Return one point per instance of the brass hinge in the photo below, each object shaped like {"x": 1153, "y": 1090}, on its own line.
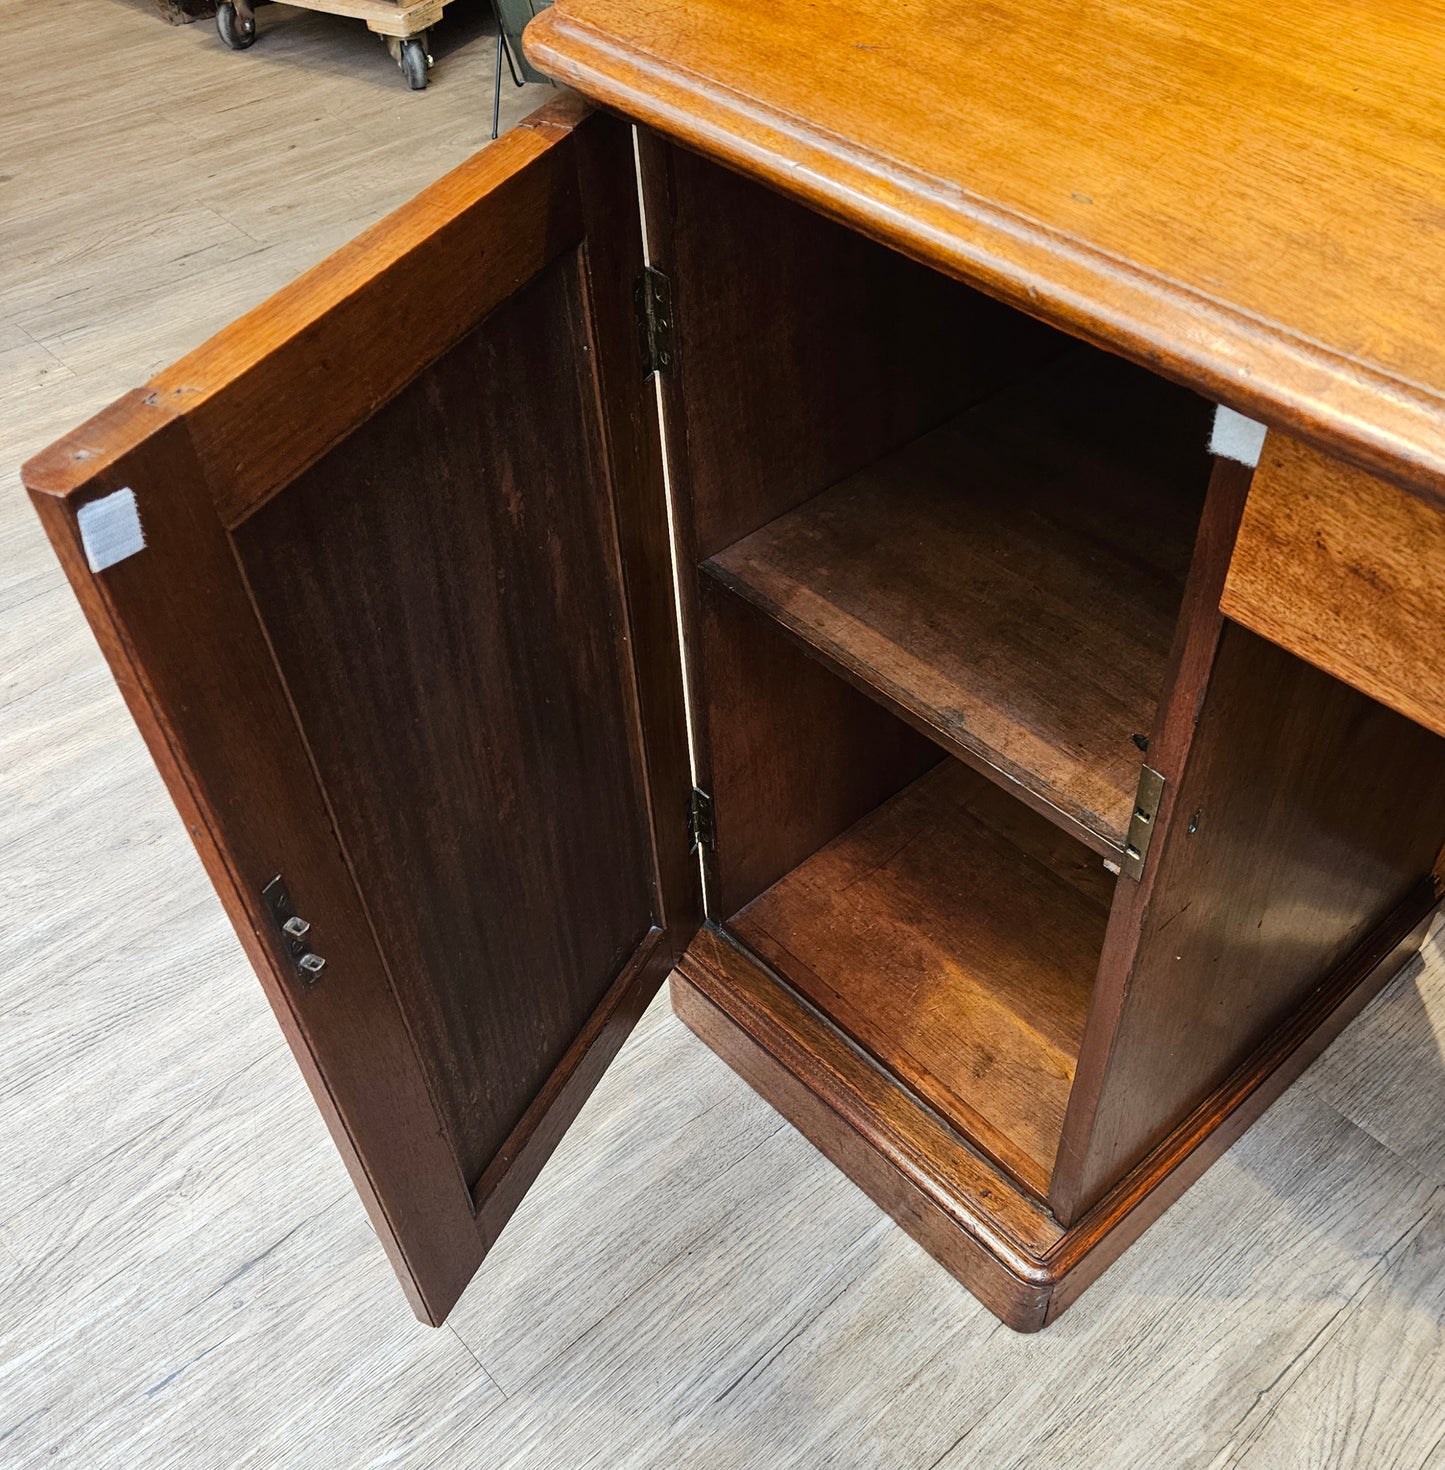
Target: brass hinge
{"x": 652, "y": 295}
{"x": 701, "y": 830}
{"x": 1141, "y": 824}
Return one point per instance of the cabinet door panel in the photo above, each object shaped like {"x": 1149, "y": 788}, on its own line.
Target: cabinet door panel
{"x": 409, "y": 647}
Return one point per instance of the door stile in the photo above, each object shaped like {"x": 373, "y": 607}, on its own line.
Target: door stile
{"x": 253, "y": 816}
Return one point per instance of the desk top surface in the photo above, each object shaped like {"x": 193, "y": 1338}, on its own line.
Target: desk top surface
{"x": 1248, "y": 196}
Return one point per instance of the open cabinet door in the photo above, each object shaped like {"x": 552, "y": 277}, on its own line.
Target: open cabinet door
{"x": 383, "y": 573}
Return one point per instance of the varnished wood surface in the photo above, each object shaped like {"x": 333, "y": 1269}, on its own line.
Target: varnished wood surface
{"x": 1007, "y": 1249}
{"x": 1305, "y": 814}
{"x": 968, "y": 1215}
{"x": 1011, "y": 581}
{"x": 175, "y": 1227}
{"x": 1245, "y": 195}
{"x": 520, "y": 782}
{"x": 365, "y": 679}
{"x": 320, "y": 344}
{"x": 237, "y": 768}
{"x": 1349, "y": 573}
{"x": 955, "y": 935}
{"x": 1191, "y": 660}
{"x": 791, "y": 753}
{"x": 804, "y": 351}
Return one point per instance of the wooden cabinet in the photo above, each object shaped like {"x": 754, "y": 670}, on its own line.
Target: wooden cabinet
{"x": 878, "y": 691}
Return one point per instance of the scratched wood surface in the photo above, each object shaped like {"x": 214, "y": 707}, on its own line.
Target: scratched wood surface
{"x": 186, "y": 1278}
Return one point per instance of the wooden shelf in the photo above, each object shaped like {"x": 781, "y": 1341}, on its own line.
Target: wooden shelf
{"x": 954, "y": 935}
{"x": 1009, "y": 583}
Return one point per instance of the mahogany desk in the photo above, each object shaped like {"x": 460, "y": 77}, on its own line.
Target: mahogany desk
{"x": 1048, "y": 792}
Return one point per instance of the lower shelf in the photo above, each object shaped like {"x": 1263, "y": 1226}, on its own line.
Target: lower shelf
{"x": 953, "y": 934}
{"x": 1002, "y": 1244}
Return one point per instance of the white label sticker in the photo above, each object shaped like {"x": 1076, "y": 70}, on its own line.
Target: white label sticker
{"x": 110, "y": 529}
{"x": 1236, "y": 437}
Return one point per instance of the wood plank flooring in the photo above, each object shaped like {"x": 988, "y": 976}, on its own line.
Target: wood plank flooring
{"x": 185, "y": 1277}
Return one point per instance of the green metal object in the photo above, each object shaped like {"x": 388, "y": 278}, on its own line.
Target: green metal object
{"x": 512, "y": 16}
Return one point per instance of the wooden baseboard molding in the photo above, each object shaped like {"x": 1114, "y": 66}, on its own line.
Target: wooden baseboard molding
{"x": 1005, "y": 1247}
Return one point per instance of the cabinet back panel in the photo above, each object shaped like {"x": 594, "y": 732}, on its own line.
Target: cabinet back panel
{"x": 406, "y": 583}
{"x": 794, "y": 754}
{"x": 806, "y": 350}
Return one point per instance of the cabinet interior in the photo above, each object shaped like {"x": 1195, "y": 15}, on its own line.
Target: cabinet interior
{"x": 954, "y": 935}
{"x": 1008, "y": 582}
{"x": 931, "y": 645}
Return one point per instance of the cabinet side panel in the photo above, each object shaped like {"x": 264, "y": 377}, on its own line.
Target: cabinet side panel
{"x": 1315, "y": 811}
{"x": 442, "y": 594}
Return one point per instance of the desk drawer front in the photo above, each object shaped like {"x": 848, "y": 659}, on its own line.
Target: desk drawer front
{"x": 1348, "y": 572}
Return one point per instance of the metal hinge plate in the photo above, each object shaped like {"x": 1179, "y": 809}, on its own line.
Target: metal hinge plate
{"x": 1141, "y": 824}
{"x": 293, "y": 931}
{"x": 701, "y": 830}
{"x": 652, "y": 295}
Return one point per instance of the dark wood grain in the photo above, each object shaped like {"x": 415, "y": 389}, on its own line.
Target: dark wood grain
{"x": 955, "y": 936}
{"x": 443, "y": 597}
{"x": 403, "y": 627}
{"x": 611, "y": 255}
{"x": 182, "y": 640}
{"x": 803, "y": 350}
{"x": 792, "y": 754}
{"x": 1010, "y": 582}
{"x": 1006, "y": 1248}
{"x": 963, "y": 1209}
{"x": 1186, "y": 684}
{"x": 1103, "y": 1234}
{"x": 390, "y": 650}
{"x": 1315, "y": 811}
{"x": 1242, "y": 196}
{"x": 1348, "y": 572}
{"x": 268, "y": 397}
{"x": 611, "y": 258}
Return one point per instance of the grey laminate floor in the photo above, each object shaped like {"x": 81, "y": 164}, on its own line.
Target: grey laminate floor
{"x": 185, "y": 1277}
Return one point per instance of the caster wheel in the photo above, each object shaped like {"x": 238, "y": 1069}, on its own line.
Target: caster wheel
{"x": 236, "y": 32}
{"x": 414, "y": 62}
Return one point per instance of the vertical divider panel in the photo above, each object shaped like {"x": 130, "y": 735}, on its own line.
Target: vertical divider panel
{"x": 1300, "y": 822}
{"x": 1196, "y": 641}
